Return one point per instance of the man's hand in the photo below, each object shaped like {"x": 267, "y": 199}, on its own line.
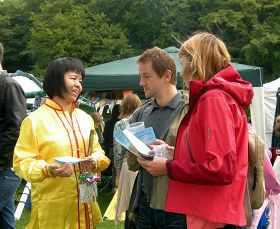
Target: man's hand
{"x": 156, "y": 167}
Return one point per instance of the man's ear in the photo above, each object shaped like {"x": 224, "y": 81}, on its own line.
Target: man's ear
{"x": 168, "y": 75}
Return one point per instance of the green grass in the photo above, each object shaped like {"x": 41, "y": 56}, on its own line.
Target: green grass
{"x": 104, "y": 199}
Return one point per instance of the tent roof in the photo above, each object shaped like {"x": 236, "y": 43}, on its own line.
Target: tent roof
{"x": 123, "y": 74}
{"x": 30, "y": 84}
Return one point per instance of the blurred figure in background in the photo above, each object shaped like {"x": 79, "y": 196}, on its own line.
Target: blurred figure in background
{"x": 12, "y": 112}
{"x": 108, "y": 142}
{"x": 98, "y": 125}
{"x": 125, "y": 178}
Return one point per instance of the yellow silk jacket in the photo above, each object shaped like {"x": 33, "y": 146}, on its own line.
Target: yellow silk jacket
{"x": 51, "y": 132}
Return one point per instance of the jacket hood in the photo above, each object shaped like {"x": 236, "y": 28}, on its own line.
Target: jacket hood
{"x": 230, "y": 81}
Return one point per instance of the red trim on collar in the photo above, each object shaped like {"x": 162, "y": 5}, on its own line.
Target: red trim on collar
{"x": 56, "y": 106}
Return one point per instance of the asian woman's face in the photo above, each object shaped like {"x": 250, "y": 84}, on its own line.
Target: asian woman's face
{"x": 73, "y": 86}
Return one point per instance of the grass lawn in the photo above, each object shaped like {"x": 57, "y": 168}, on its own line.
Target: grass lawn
{"x": 104, "y": 199}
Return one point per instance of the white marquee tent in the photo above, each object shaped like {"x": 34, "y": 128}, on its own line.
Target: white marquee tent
{"x": 270, "y": 90}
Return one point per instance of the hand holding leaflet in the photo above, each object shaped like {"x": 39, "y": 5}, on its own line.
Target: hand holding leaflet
{"x": 138, "y": 145}
{"x": 74, "y": 160}
{"x": 147, "y": 136}
{"x": 68, "y": 159}
{"x": 134, "y": 144}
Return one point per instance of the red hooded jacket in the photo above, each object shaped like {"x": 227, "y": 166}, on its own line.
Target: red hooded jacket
{"x": 209, "y": 170}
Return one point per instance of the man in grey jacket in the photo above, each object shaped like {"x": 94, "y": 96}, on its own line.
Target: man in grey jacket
{"x": 12, "y": 112}
{"x": 163, "y": 112}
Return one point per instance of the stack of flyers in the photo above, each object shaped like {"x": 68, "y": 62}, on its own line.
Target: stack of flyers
{"x": 137, "y": 143}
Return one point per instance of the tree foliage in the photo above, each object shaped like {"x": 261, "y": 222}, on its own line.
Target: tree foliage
{"x": 14, "y": 33}
{"x": 263, "y": 49}
{"x": 64, "y": 28}
{"x": 97, "y": 31}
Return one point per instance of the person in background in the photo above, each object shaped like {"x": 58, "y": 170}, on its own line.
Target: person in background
{"x": 58, "y": 128}
{"x": 163, "y": 112}
{"x": 98, "y": 125}
{"x": 125, "y": 178}
{"x": 108, "y": 141}
{"x": 12, "y": 112}
{"x": 208, "y": 174}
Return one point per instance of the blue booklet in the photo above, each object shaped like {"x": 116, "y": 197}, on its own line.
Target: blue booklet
{"x": 147, "y": 136}
{"x": 137, "y": 143}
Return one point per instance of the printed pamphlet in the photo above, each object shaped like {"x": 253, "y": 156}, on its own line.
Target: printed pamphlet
{"x": 68, "y": 159}
{"x": 137, "y": 143}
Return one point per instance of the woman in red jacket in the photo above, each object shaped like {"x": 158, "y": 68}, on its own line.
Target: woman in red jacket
{"x": 209, "y": 170}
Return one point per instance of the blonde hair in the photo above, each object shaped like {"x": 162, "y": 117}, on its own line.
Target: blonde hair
{"x": 202, "y": 56}
{"x": 129, "y": 104}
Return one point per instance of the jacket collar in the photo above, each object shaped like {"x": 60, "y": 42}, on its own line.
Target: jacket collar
{"x": 173, "y": 103}
{"x": 56, "y": 106}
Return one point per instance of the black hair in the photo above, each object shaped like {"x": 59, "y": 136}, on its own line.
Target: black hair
{"x": 54, "y": 80}
{"x": 116, "y": 111}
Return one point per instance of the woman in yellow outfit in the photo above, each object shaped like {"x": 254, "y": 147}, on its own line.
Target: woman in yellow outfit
{"x": 59, "y": 128}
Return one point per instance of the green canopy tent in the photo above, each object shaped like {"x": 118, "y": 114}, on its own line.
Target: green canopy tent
{"x": 123, "y": 74}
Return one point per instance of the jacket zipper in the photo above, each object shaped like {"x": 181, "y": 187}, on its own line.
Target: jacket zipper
{"x": 189, "y": 147}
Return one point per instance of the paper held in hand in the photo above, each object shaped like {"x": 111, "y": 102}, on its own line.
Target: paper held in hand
{"x": 137, "y": 143}
{"x": 68, "y": 159}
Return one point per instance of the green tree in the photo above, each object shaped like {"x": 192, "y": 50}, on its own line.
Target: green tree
{"x": 97, "y": 31}
{"x": 232, "y": 20}
{"x": 149, "y": 23}
{"x": 14, "y": 30}
{"x": 264, "y": 47}
{"x": 156, "y": 22}
{"x": 65, "y": 28}
{"x": 177, "y": 23}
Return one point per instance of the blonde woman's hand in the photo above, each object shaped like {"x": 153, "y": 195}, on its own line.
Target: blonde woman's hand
{"x": 169, "y": 149}
{"x": 159, "y": 142}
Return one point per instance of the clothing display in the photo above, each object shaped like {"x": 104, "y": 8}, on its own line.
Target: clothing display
{"x": 125, "y": 185}
{"x": 47, "y": 133}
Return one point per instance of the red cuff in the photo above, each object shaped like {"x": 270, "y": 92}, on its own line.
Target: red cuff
{"x": 168, "y": 167}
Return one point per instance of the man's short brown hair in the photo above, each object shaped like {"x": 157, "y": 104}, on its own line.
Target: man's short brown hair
{"x": 161, "y": 61}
